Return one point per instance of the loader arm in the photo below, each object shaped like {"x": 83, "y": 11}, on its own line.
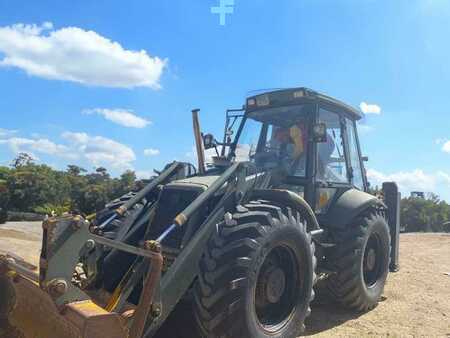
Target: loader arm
{"x": 50, "y": 304}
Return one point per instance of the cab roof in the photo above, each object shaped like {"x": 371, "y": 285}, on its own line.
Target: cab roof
{"x": 298, "y": 96}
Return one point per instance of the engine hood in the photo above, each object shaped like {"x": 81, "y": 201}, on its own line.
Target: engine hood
{"x": 195, "y": 182}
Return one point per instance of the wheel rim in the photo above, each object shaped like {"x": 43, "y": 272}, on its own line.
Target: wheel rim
{"x": 277, "y": 289}
{"x": 372, "y": 264}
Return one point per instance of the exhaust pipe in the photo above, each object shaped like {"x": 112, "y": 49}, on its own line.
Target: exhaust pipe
{"x": 198, "y": 141}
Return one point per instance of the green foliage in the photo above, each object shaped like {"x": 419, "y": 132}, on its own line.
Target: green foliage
{"x": 23, "y": 159}
{"x": 4, "y": 193}
{"x": 51, "y": 209}
{"x": 30, "y": 187}
{"x": 425, "y": 214}
{"x": 27, "y": 186}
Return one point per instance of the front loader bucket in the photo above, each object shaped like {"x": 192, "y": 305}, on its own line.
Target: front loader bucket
{"x": 28, "y": 311}
{"x": 47, "y": 304}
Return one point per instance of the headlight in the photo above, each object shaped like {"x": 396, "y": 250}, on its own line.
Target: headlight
{"x": 262, "y": 100}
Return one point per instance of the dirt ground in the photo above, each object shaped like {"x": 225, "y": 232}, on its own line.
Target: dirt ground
{"x": 416, "y": 300}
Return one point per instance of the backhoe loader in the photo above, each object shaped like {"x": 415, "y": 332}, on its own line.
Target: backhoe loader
{"x": 238, "y": 242}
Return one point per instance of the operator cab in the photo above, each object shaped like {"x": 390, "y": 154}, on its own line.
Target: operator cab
{"x": 307, "y": 140}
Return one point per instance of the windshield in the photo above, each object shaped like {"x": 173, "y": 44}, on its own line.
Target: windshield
{"x": 276, "y": 143}
{"x": 248, "y": 141}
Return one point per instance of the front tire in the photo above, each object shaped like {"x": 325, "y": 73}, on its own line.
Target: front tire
{"x": 256, "y": 276}
{"x": 362, "y": 263}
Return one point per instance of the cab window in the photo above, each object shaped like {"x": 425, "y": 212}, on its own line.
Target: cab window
{"x": 355, "y": 159}
{"x": 280, "y": 143}
{"x": 290, "y": 144}
{"x": 331, "y": 166}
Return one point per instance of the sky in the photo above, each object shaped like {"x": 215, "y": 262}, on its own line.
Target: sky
{"x": 108, "y": 83}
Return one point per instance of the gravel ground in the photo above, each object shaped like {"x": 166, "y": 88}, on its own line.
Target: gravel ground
{"x": 416, "y": 300}
{"x": 22, "y": 238}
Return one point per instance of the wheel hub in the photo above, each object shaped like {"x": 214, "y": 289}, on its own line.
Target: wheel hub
{"x": 277, "y": 288}
{"x": 371, "y": 259}
{"x": 275, "y": 284}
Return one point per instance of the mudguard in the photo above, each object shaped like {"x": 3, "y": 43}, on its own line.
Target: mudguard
{"x": 348, "y": 206}
{"x": 289, "y": 199}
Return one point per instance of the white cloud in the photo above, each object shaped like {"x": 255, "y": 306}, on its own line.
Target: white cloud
{"x": 445, "y": 144}
{"x": 37, "y": 135}
{"x": 209, "y": 154}
{"x": 446, "y": 147}
{"x": 151, "y": 152}
{"x": 370, "y": 108}
{"x": 6, "y": 132}
{"x": 96, "y": 150}
{"x": 43, "y": 146}
{"x": 416, "y": 180}
{"x": 243, "y": 152}
{"x": 100, "y": 150}
{"x": 122, "y": 117}
{"x": 77, "y": 55}
{"x": 144, "y": 175}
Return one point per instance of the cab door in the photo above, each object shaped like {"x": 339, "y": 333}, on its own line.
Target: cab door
{"x": 332, "y": 160}
{"x": 356, "y": 168}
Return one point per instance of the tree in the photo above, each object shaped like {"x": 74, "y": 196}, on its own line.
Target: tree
{"x": 102, "y": 171}
{"x": 4, "y": 194}
{"x": 34, "y": 185}
{"x": 27, "y": 186}
{"x": 419, "y": 214}
{"x": 75, "y": 170}
{"x": 93, "y": 198}
{"x": 126, "y": 183}
{"x": 22, "y": 159}
{"x": 78, "y": 184}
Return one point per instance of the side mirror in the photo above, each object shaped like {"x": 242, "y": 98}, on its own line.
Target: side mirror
{"x": 209, "y": 141}
{"x": 320, "y": 133}
{"x": 365, "y": 158}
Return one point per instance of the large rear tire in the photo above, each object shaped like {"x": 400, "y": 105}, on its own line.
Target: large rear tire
{"x": 257, "y": 274}
{"x": 362, "y": 262}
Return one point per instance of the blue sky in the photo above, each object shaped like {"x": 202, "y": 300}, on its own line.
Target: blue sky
{"x": 112, "y": 83}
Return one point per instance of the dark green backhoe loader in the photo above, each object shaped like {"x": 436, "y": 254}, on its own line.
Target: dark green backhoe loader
{"x": 234, "y": 246}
